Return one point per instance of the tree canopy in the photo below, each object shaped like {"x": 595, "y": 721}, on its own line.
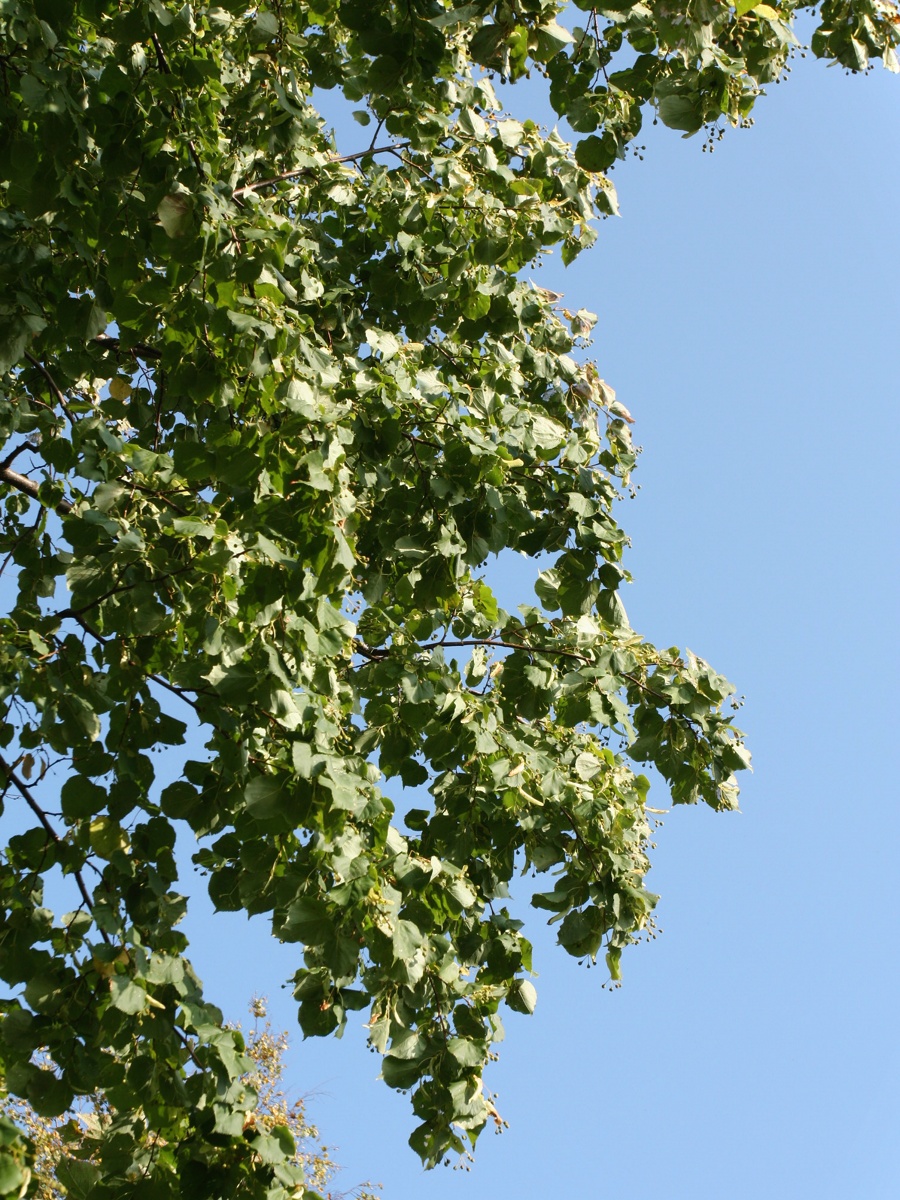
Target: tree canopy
{"x": 268, "y": 412}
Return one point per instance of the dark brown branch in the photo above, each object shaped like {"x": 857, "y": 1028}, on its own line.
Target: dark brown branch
{"x": 54, "y": 387}
{"x": 75, "y": 613}
{"x": 579, "y": 837}
{"x": 511, "y": 646}
{"x": 14, "y": 454}
{"x": 39, "y": 516}
{"x": 645, "y": 687}
{"x": 185, "y": 1041}
{"x": 23, "y": 484}
{"x": 29, "y": 799}
{"x": 161, "y": 60}
{"x": 89, "y": 629}
{"x": 415, "y": 166}
{"x": 195, "y": 157}
{"x": 253, "y": 187}
{"x": 163, "y": 64}
{"x": 181, "y": 693}
{"x": 138, "y": 350}
{"x": 376, "y": 655}
{"x": 372, "y": 653}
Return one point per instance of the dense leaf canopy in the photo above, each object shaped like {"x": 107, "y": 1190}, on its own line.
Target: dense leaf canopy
{"x": 268, "y": 412}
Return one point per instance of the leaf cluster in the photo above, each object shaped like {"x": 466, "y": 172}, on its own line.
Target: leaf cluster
{"x": 267, "y": 412}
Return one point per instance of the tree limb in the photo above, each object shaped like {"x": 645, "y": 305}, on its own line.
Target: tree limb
{"x": 23, "y": 484}
{"x": 14, "y": 454}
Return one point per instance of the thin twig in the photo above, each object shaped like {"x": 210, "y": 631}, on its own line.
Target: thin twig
{"x": 183, "y": 1038}
{"x": 181, "y": 693}
{"x": 511, "y": 646}
{"x": 39, "y": 516}
{"x": 253, "y": 187}
{"x": 138, "y": 350}
{"x": 54, "y": 386}
{"x": 114, "y": 591}
{"x": 29, "y": 799}
{"x": 378, "y": 128}
{"x": 409, "y": 163}
{"x": 192, "y": 149}
{"x": 579, "y": 837}
{"x": 376, "y": 654}
{"x": 645, "y": 687}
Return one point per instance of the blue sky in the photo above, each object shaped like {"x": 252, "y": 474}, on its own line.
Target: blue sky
{"x": 748, "y": 305}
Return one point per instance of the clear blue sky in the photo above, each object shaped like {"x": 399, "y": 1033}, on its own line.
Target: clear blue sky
{"x": 748, "y": 306}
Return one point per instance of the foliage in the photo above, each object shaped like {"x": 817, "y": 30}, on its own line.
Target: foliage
{"x": 269, "y": 411}
{"x": 75, "y": 1133}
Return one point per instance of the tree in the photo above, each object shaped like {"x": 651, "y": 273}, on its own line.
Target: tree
{"x": 43, "y": 1142}
{"x": 269, "y": 411}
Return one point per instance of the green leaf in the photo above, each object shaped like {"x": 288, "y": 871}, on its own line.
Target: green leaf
{"x": 13, "y": 1178}
{"x": 595, "y": 153}
{"x": 81, "y": 798}
{"x": 680, "y": 112}
{"x": 549, "y": 40}
{"x": 127, "y": 996}
{"x": 613, "y": 955}
{"x": 174, "y": 212}
{"x": 78, "y": 1177}
{"x": 522, "y": 997}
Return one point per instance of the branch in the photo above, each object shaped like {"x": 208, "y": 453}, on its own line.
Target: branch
{"x": 160, "y": 55}
{"x": 511, "y": 646}
{"x": 579, "y": 837}
{"x": 38, "y": 518}
{"x": 645, "y": 687}
{"x": 54, "y": 386}
{"x": 181, "y": 693}
{"x": 415, "y": 166}
{"x": 185, "y": 1041}
{"x": 376, "y": 655}
{"x": 252, "y": 187}
{"x": 15, "y": 454}
{"x": 29, "y": 799}
{"x": 23, "y": 484}
{"x": 115, "y": 591}
{"x": 163, "y": 65}
{"x": 138, "y": 350}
